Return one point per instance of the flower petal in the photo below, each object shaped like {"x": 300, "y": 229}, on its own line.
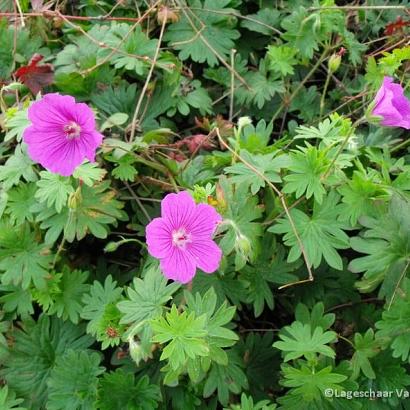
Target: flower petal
{"x": 207, "y": 255}
{"x": 159, "y": 238}
{"x": 178, "y": 209}
{"x": 204, "y": 221}
{"x": 179, "y": 266}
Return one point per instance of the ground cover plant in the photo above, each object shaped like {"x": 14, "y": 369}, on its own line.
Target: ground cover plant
{"x": 204, "y": 204}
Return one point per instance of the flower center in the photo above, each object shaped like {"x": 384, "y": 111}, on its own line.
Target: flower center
{"x": 181, "y": 237}
{"x": 72, "y": 130}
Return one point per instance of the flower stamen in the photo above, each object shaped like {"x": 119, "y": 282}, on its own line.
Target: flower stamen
{"x": 181, "y": 238}
{"x": 72, "y": 130}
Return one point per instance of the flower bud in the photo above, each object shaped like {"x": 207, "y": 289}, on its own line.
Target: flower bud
{"x": 333, "y": 63}
{"x": 243, "y": 245}
{"x": 74, "y": 199}
{"x": 244, "y": 121}
{"x": 111, "y": 247}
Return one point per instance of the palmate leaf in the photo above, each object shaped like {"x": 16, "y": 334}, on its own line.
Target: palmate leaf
{"x": 395, "y": 323}
{"x": 16, "y": 300}
{"x": 22, "y": 259}
{"x": 184, "y": 335}
{"x": 269, "y": 165}
{"x": 359, "y": 197}
{"x": 282, "y": 59}
{"x": 34, "y": 352}
{"x": 119, "y": 391}
{"x": 226, "y": 379}
{"x": 19, "y": 201}
{"x": 262, "y": 87}
{"x": 146, "y": 298}
{"x": 18, "y": 166}
{"x": 262, "y": 21}
{"x": 366, "y": 347}
{"x": 97, "y": 300}
{"x": 54, "y": 190}
{"x": 133, "y": 46}
{"x": 218, "y": 335}
{"x": 306, "y": 165}
{"x": 321, "y": 233}
{"x": 8, "y": 400}
{"x": 386, "y": 242}
{"x": 67, "y": 301}
{"x": 92, "y": 210}
{"x": 247, "y": 403}
{"x": 243, "y": 210}
{"x": 73, "y": 381}
{"x": 301, "y": 339}
{"x": 216, "y": 29}
{"x": 307, "y": 385}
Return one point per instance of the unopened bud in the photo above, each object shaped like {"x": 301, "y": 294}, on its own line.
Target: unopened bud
{"x": 243, "y": 245}
{"x": 333, "y": 63}
{"x": 74, "y": 199}
{"x": 111, "y": 247}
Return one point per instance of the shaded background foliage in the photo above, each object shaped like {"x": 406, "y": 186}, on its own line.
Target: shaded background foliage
{"x": 88, "y": 321}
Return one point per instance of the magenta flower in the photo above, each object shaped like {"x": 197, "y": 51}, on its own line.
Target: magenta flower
{"x": 62, "y": 133}
{"x": 182, "y": 238}
{"x": 392, "y": 105}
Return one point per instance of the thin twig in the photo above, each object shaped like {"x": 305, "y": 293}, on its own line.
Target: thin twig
{"x": 20, "y": 12}
{"x": 206, "y": 42}
{"x": 137, "y": 200}
{"x": 148, "y": 79}
{"x": 398, "y": 284}
{"x": 231, "y": 99}
{"x": 284, "y": 205}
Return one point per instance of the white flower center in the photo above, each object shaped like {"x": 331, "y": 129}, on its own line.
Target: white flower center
{"x": 181, "y": 237}
{"x": 72, "y": 130}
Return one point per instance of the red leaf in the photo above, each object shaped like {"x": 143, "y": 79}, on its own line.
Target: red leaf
{"x": 35, "y": 76}
{"x": 392, "y": 28}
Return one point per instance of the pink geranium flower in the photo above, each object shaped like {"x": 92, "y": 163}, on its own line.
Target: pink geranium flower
{"x": 182, "y": 238}
{"x": 62, "y": 133}
{"x": 392, "y": 105}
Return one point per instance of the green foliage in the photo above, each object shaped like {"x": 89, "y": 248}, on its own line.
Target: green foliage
{"x": 73, "y": 381}
{"x": 321, "y": 234}
{"x": 34, "y": 353}
{"x": 119, "y": 390}
{"x": 238, "y": 103}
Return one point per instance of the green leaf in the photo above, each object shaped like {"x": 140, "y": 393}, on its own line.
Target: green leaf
{"x": 67, "y": 302}
{"x": 17, "y": 167}
{"x": 119, "y": 391}
{"x": 386, "y": 241}
{"x": 307, "y": 385}
{"x": 282, "y": 59}
{"x": 248, "y": 404}
{"x": 89, "y": 173}
{"x": 54, "y": 190}
{"x": 262, "y": 22}
{"x": 214, "y": 29}
{"x": 184, "y": 336}
{"x": 17, "y": 300}
{"x": 267, "y": 165}
{"x": 321, "y": 233}
{"x": 92, "y": 210}
{"x": 131, "y": 45}
{"x": 73, "y": 381}
{"x": 315, "y": 318}
{"x": 8, "y": 400}
{"x": 395, "y": 323}
{"x": 33, "y": 355}
{"x": 365, "y": 346}
{"x": 300, "y": 340}
{"x": 226, "y": 379}
{"x": 262, "y": 87}
{"x": 146, "y": 298}
{"x": 307, "y": 166}
{"x": 22, "y": 259}
{"x": 19, "y": 201}
{"x": 359, "y": 197}
{"x": 124, "y": 169}
{"x": 218, "y": 335}
{"x": 16, "y": 122}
